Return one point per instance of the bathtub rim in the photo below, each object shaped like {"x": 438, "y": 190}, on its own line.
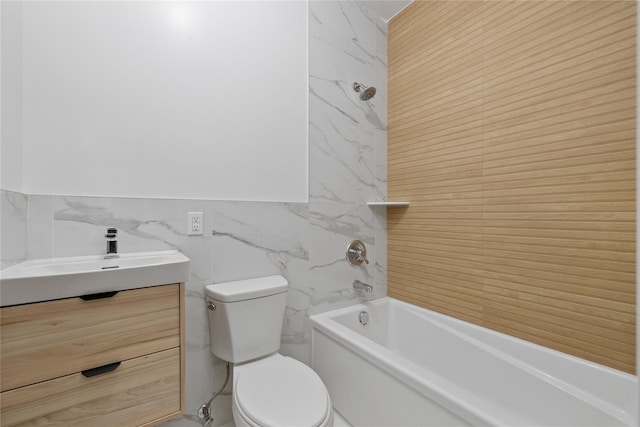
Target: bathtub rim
{"x": 388, "y": 362}
{"x": 629, "y": 416}
{"x": 467, "y": 405}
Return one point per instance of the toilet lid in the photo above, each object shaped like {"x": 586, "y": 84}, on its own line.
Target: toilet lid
{"x": 282, "y": 392}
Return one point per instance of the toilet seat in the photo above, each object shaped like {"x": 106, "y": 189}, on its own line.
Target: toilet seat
{"x": 280, "y": 391}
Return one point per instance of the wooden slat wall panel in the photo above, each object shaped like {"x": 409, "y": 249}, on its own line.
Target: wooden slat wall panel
{"x": 568, "y": 121}
{"x": 435, "y": 157}
{"x": 512, "y": 132}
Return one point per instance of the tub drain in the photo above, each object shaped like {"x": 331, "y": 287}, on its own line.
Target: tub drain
{"x": 363, "y": 317}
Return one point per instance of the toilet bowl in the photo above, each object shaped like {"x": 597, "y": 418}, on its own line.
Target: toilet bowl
{"x": 279, "y": 391}
{"x": 269, "y": 389}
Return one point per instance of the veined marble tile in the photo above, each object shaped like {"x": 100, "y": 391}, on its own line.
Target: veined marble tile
{"x": 382, "y": 35}
{"x": 342, "y": 151}
{"x": 342, "y": 50}
{"x": 197, "y": 332}
{"x": 205, "y": 375}
{"x": 381, "y": 70}
{"x": 349, "y": 220}
{"x": 40, "y": 239}
{"x": 143, "y": 225}
{"x": 333, "y": 68}
{"x": 345, "y": 18}
{"x": 296, "y": 328}
{"x": 380, "y": 233}
{"x": 343, "y": 170}
{"x": 381, "y": 182}
{"x": 296, "y": 335}
{"x": 332, "y": 227}
{"x": 80, "y": 223}
{"x": 380, "y": 105}
{"x": 338, "y": 57}
{"x": 331, "y": 288}
{"x": 347, "y": 146}
{"x": 253, "y": 239}
{"x": 14, "y": 211}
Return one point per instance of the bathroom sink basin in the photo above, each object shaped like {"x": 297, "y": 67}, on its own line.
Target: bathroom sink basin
{"x": 55, "y": 278}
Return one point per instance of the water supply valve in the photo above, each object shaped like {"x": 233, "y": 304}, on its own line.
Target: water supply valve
{"x": 357, "y": 253}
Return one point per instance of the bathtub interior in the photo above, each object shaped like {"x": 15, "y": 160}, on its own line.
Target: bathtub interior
{"x": 615, "y": 387}
{"x": 484, "y": 365}
{"x": 380, "y": 322}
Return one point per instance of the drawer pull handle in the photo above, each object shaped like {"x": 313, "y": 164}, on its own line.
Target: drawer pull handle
{"x": 101, "y": 370}
{"x": 100, "y": 295}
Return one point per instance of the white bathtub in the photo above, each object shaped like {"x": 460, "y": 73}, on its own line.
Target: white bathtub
{"x": 412, "y": 367}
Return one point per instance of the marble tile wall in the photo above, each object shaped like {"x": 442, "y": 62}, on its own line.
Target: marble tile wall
{"x": 14, "y": 211}
{"x": 380, "y": 106}
{"x": 347, "y": 139}
{"x": 305, "y": 242}
{"x": 240, "y": 240}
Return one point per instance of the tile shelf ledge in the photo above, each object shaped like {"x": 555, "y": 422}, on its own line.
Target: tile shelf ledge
{"x": 389, "y": 204}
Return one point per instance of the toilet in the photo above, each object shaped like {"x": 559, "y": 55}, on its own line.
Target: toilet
{"x": 269, "y": 389}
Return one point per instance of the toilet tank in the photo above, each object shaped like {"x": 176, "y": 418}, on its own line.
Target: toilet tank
{"x": 247, "y": 320}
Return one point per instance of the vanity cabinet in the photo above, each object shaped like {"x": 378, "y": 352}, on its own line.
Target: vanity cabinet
{"x": 108, "y": 359}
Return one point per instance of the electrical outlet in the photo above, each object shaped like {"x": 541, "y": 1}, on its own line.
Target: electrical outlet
{"x": 194, "y": 223}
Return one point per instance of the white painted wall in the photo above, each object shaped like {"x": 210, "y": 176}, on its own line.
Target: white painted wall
{"x": 166, "y": 99}
{"x": 10, "y": 96}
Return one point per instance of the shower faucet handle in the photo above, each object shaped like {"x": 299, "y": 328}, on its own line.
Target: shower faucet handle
{"x": 357, "y": 253}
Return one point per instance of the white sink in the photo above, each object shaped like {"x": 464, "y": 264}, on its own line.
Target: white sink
{"x": 55, "y": 278}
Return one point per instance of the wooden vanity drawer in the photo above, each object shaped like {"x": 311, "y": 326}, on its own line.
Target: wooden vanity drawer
{"x": 51, "y": 339}
{"x": 141, "y": 389}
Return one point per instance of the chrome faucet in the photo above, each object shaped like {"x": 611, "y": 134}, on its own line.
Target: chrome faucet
{"x": 360, "y": 286}
{"x": 112, "y": 243}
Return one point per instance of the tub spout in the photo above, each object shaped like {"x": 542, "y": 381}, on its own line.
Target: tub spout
{"x": 360, "y": 286}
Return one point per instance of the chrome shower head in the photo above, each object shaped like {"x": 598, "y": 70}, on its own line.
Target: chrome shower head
{"x": 366, "y": 93}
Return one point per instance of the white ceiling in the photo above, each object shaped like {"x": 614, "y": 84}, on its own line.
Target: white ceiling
{"x": 386, "y": 9}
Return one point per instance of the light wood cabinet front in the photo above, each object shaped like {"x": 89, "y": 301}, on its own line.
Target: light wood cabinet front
{"x": 134, "y": 393}
{"x": 56, "y": 338}
{"x": 117, "y": 360}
